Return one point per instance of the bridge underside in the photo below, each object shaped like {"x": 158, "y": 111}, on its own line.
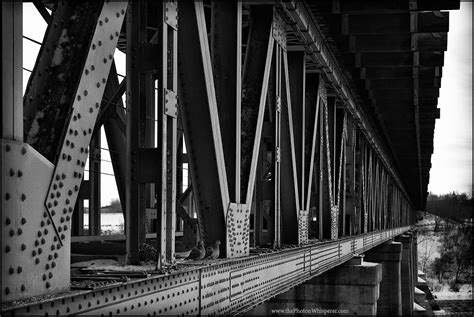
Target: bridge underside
{"x": 306, "y": 129}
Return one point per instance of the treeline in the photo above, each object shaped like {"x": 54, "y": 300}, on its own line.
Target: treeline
{"x": 452, "y": 206}
{"x": 456, "y": 256}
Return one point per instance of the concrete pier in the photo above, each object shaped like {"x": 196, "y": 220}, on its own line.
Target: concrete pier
{"x": 389, "y": 255}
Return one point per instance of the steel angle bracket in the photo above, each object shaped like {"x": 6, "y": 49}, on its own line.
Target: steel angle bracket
{"x": 237, "y": 230}
{"x": 171, "y": 103}
{"x": 171, "y": 14}
{"x": 278, "y": 30}
{"x": 303, "y": 226}
{"x": 67, "y": 177}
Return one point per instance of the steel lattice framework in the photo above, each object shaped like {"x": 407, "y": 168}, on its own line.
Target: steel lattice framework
{"x": 308, "y": 131}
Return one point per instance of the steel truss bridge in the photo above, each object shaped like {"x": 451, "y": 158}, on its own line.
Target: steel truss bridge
{"x": 307, "y": 128}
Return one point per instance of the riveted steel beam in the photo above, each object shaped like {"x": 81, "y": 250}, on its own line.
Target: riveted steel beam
{"x": 199, "y": 112}
{"x": 49, "y": 96}
{"x": 226, "y": 287}
{"x": 226, "y": 39}
{"x": 42, "y": 207}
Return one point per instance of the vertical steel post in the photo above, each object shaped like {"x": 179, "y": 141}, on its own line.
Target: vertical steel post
{"x": 135, "y": 117}
{"x": 12, "y": 75}
{"x": 94, "y": 182}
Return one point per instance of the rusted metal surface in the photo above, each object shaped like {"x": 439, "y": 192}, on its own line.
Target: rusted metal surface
{"x": 51, "y": 90}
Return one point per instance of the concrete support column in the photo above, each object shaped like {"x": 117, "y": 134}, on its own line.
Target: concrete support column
{"x": 352, "y": 287}
{"x": 408, "y": 295}
{"x": 389, "y": 255}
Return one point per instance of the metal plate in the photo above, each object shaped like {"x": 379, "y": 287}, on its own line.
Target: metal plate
{"x": 303, "y": 227}
{"x": 171, "y": 103}
{"x": 33, "y": 263}
{"x": 66, "y": 181}
{"x": 237, "y": 229}
{"x": 278, "y": 30}
{"x": 171, "y": 14}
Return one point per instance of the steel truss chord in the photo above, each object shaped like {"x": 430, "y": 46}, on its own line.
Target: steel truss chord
{"x": 226, "y": 287}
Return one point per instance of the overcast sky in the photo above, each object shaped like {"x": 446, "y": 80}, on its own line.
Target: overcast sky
{"x": 452, "y": 158}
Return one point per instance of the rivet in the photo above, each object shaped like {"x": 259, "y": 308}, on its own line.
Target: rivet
{"x": 12, "y": 172}
{"x": 106, "y": 20}
{"x": 37, "y": 243}
{"x": 85, "y": 93}
{"x": 64, "y": 210}
{"x": 23, "y": 288}
{"x": 93, "y": 46}
{"x": 45, "y": 277}
{"x": 101, "y": 23}
{"x": 78, "y": 115}
{"x": 7, "y": 249}
{"x": 105, "y": 60}
{"x": 63, "y": 237}
{"x": 55, "y": 239}
{"x": 33, "y": 252}
{"x": 7, "y": 291}
{"x": 79, "y": 98}
{"x": 42, "y": 223}
{"x": 37, "y": 261}
{"x": 19, "y": 231}
{"x": 43, "y": 241}
{"x": 23, "y": 197}
{"x": 50, "y": 275}
{"x": 68, "y": 218}
{"x": 40, "y": 250}
{"x": 7, "y": 196}
{"x": 23, "y": 247}
{"x": 46, "y": 231}
{"x": 92, "y": 66}
{"x": 50, "y": 257}
{"x": 7, "y": 148}
{"x": 20, "y": 173}
{"x": 53, "y": 247}
{"x": 19, "y": 269}
{"x": 12, "y": 233}
{"x": 97, "y": 105}
{"x": 63, "y": 176}
{"x": 53, "y": 264}
{"x": 91, "y": 109}
{"x": 60, "y": 229}
{"x": 8, "y": 221}
{"x": 40, "y": 234}
{"x": 87, "y": 72}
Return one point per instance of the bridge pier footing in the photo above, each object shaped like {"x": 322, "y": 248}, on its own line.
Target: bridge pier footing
{"x": 388, "y": 254}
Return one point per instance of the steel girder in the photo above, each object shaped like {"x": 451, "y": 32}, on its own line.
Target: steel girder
{"x": 269, "y": 81}
{"x": 41, "y": 195}
{"x": 225, "y": 287}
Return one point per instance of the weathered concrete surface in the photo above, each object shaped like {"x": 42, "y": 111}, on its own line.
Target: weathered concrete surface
{"x": 389, "y": 255}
